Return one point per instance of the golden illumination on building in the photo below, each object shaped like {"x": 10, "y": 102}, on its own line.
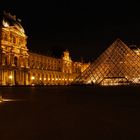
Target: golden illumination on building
{"x": 18, "y": 66}
{"x": 14, "y": 52}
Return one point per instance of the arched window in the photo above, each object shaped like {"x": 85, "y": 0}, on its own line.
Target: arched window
{"x": 5, "y": 60}
{"x": 5, "y": 37}
{"x": 15, "y": 61}
{"x": 14, "y": 39}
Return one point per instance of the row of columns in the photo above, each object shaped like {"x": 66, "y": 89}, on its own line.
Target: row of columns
{"x": 50, "y": 79}
{"x": 13, "y": 77}
{"x": 18, "y": 77}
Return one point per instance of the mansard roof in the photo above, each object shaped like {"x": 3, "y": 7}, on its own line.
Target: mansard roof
{"x": 8, "y": 20}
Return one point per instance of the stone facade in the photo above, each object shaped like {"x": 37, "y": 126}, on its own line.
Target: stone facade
{"x": 18, "y": 66}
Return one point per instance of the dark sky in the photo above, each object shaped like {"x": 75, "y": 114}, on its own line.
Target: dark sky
{"x": 85, "y": 28}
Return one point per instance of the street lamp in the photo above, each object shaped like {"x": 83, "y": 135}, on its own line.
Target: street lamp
{"x": 32, "y": 78}
{"x": 10, "y": 77}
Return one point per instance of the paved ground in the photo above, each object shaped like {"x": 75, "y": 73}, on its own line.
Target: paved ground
{"x": 70, "y": 113}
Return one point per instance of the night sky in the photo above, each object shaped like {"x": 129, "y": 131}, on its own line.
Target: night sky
{"x": 85, "y": 28}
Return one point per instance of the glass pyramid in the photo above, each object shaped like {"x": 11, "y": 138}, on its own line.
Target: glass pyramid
{"x": 117, "y": 65}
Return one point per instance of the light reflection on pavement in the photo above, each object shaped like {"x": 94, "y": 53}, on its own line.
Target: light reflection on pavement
{"x": 10, "y": 100}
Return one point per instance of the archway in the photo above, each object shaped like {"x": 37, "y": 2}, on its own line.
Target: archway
{"x": 15, "y": 61}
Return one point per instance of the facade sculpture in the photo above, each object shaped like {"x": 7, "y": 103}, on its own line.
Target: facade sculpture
{"x": 19, "y": 66}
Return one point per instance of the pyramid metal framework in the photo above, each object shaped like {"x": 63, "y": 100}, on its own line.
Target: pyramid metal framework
{"x": 117, "y": 65}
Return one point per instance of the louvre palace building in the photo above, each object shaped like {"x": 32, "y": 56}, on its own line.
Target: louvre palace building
{"x": 119, "y": 64}
{"x": 19, "y": 66}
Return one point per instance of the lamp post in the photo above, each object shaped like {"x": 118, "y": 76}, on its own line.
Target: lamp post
{"x": 32, "y": 78}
